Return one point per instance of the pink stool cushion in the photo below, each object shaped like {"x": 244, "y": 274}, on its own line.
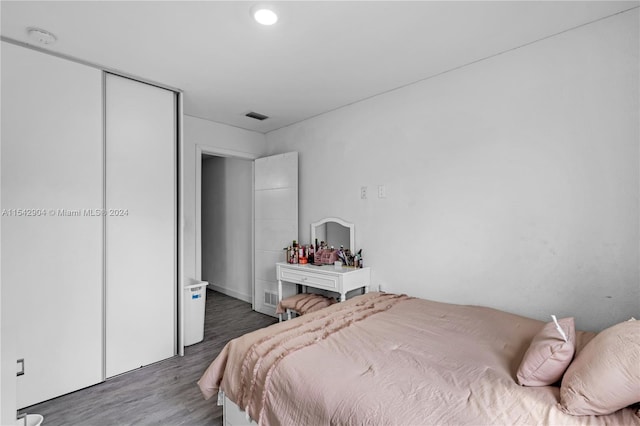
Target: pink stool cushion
{"x": 304, "y": 303}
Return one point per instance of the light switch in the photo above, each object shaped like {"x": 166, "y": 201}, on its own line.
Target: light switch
{"x": 382, "y": 191}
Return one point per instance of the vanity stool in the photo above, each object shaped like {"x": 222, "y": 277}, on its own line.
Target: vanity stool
{"x": 303, "y": 303}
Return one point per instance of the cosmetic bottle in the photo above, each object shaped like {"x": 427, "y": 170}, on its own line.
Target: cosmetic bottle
{"x": 311, "y": 254}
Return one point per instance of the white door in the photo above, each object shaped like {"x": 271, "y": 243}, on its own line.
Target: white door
{"x": 51, "y": 245}
{"x": 141, "y": 228}
{"x": 276, "y": 223}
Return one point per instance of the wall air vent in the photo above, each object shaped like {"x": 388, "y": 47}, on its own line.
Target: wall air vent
{"x": 256, "y": 115}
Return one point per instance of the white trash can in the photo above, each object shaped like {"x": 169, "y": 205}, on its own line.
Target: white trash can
{"x": 195, "y": 297}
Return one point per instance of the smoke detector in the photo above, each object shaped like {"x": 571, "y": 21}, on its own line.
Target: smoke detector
{"x": 41, "y": 36}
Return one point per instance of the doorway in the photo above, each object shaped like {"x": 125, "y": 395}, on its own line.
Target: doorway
{"x": 226, "y": 225}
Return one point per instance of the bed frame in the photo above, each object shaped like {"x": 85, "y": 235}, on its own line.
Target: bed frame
{"x": 232, "y": 415}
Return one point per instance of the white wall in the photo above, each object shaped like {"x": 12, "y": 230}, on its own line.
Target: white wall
{"x": 227, "y": 225}
{"x": 512, "y": 182}
{"x": 213, "y": 138}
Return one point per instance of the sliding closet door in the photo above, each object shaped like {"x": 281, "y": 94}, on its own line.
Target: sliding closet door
{"x": 51, "y": 243}
{"x": 140, "y": 224}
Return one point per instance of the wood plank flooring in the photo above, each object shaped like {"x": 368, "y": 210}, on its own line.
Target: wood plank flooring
{"x": 164, "y": 393}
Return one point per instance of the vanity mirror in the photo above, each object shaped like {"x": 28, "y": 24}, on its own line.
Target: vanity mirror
{"x": 335, "y": 232}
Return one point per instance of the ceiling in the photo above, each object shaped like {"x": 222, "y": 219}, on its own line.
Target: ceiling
{"x": 320, "y": 55}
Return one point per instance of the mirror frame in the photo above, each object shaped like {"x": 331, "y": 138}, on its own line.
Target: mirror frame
{"x": 351, "y": 226}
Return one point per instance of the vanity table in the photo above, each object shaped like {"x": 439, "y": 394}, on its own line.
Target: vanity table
{"x": 338, "y": 279}
{"x": 327, "y": 277}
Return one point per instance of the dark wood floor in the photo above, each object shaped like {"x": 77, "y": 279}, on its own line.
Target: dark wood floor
{"x": 164, "y": 393}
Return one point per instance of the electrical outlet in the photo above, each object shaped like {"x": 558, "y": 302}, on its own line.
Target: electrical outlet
{"x": 363, "y": 192}
{"x": 382, "y": 191}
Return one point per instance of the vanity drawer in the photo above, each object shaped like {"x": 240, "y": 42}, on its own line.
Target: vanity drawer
{"x": 309, "y": 278}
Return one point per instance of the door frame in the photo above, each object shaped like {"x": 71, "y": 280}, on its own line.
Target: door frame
{"x": 202, "y": 150}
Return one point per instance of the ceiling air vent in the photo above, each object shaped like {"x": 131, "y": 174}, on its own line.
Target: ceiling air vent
{"x": 256, "y": 115}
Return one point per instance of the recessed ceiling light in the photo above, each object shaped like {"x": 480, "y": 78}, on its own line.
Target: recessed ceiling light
{"x": 41, "y": 36}
{"x": 264, "y": 15}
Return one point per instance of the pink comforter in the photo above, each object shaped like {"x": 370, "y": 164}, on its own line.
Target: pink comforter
{"x": 390, "y": 359}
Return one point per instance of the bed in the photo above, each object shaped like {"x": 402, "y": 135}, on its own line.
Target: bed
{"x": 384, "y": 358}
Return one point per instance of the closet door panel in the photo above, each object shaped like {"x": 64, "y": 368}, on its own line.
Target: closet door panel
{"x": 140, "y": 224}
{"x": 52, "y": 161}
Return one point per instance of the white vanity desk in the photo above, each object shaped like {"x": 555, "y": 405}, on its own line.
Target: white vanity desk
{"x": 329, "y": 277}
{"x": 338, "y": 279}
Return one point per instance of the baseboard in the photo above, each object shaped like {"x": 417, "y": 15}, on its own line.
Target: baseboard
{"x": 230, "y": 292}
